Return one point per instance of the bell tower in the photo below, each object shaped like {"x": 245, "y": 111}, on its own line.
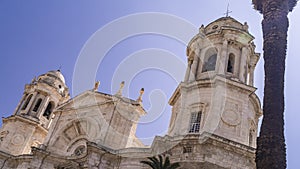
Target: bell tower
{"x": 29, "y": 124}
{"x": 217, "y": 96}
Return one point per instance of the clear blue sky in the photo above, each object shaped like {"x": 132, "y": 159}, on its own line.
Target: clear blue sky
{"x": 38, "y": 36}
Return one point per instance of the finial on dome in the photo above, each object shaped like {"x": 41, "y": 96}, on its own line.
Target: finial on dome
{"x": 227, "y": 11}
{"x": 121, "y": 88}
{"x": 59, "y": 68}
{"x": 140, "y": 96}
{"x": 96, "y": 86}
{"x": 33, "y": 80}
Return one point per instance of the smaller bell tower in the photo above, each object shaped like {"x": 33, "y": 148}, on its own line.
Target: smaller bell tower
{"x": 29, "y": 124}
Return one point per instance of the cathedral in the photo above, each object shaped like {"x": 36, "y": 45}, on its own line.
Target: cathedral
{"x": 213, "y": 125}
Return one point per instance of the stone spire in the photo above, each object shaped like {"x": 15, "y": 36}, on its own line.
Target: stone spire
{"x": 139, "y": 99}
{"x": 119, "y": 93}
{"x": 96, "y": 86}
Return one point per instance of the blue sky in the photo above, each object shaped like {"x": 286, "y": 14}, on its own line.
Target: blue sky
{"x": 38, "y": 36}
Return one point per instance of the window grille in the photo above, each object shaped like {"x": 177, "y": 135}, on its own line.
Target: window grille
{"x": 195, "y": 122}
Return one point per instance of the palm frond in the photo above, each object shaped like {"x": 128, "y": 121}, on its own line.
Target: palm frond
{"x": 257, "y": 5}
{"x": 155, "y": 161}
{"x": 292, "y": 4}
{"x": 160, "y": 161}
{"x": 149, "y": 164}
{"x": 167, "y": 163}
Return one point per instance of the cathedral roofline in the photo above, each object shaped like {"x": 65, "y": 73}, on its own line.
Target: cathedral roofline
{"x": 126, "y": 100}
{"x": 109, "y": 96}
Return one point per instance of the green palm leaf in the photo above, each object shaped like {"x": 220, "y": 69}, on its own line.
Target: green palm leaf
{"x": 149, "y": 164}
{"x": 160, "y": 163}
{"x": 167, "y": 163}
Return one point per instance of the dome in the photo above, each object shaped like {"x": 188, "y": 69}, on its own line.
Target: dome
{"x": 222, "y": 28}
{"x": 57, "y": 74}
{"x": 225, "y": 22}
{"x": 55, "y": 79}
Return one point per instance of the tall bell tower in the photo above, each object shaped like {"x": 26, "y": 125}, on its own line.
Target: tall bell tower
{"x": 217, "y": 96}
{"x": 29, "y": 124}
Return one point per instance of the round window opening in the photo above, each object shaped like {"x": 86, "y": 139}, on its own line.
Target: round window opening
{"x": 215, "y": 27}
{"x": 79, "y": 150}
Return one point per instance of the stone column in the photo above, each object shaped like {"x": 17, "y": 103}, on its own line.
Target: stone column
{"x": 251, "y": 78}
{"x": 243, "y": 65}
{"x": 20, "y": 103}
{"x": 44, "y": 105}
{"x": 188, "y": 70}
{"x": 221, "y": 62}
{"x": 193, "y": 72}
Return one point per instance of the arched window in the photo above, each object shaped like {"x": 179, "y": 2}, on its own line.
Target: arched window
{"x": 27, "y": 102}
{"x": 37, "y": 105}
{"x": 230, "y": 63}
{"x": 210, "y": 64}
{"x": 48, "y": 110}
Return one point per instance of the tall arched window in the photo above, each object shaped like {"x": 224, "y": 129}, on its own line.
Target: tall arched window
{"x": 210, "y": 60}
{"x": 230, "y": 63}
{"x": 27, "y": 102}
{"x": 37, "y": 105}
{"x": 48, "y": 110}
{"x": 210, "y": 64}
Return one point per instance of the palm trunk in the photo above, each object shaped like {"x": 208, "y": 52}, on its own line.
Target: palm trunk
{"x": 271, "y": 148}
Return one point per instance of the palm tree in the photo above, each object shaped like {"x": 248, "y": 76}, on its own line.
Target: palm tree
{"x": 271, "y": 148}
{"x": 159, "y": 163}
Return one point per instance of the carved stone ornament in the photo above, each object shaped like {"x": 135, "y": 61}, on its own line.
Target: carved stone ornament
{"x": 18, "y": 139}
{"x": 231, "y": 118}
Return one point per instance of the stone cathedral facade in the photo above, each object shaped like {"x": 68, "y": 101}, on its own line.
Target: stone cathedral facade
{"x": 213, "y": 125}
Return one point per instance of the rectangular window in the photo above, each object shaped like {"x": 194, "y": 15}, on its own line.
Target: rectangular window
{"x": 195, "y": 122}
{"x": 187, "y": 149}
